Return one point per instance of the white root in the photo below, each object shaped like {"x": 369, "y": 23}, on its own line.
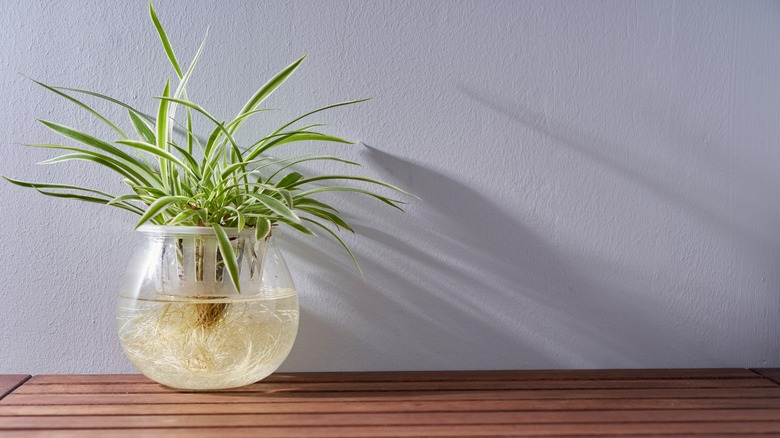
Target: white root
{"x": 235, "y": 343}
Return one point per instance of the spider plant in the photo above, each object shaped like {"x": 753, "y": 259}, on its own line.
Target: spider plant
{"x": 218, "y": 182}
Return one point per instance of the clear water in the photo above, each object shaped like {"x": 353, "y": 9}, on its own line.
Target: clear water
{"x": 202, "y": 344}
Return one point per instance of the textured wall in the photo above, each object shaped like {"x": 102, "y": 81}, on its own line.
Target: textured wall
{"x": 599, "y": 180}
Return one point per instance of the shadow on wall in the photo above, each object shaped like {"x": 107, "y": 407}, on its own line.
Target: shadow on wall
{"x": 467, "y": 286}
{"x": 739, "y": 213}
{"x": 729, "y": 213}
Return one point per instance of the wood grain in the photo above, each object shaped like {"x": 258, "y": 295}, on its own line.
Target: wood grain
{"x": 707, "y": 402}
{"x": 9, "y": 382}
{"x": 482, "y": 430}
{"x": 772, "y": 374}
{"x": 390, "y": 406}
{"x": 346, "y": 387}
{"x": 448, "y": 376}
{"x": 362, "y": 397}
{"x": 384, "y": 418}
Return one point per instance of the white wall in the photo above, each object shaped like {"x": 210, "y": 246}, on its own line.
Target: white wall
{"x": 599, "y": 180}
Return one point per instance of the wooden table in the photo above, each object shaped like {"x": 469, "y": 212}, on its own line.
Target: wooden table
{"x": 728, "y": 402}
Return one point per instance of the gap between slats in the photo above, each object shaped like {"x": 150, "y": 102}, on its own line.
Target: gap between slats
{"x": 573, "y": 429}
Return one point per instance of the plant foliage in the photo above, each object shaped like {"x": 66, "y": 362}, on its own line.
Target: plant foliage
{"x": 219, "y": 184}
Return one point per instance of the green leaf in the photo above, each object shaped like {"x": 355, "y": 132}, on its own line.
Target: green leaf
{"x": 293, "y": 137}
{"x": 311, "y": 158}
{"x": 297, "y": 227}
{"x": 299, "y": 201}
{"x": 189, "y": 159}
{"x": 203, "y": 215}
{"x": 350, "y": 102}
{"x": 262, "y": 228}
{"x": 276, "y": 206}
{"x": 270, "y": 163}
{"x": 84, "y": 106}
{"x": 388, "y": 201}
{"x": 158, "y": 207}
{"x": 39, "y": 186}
{"x": 327, "y": 215}
{"x": 352, "y": 178}
{"x": 228, "y": 255}
{"x": 212, "y": 146}
{"x": 129, "y": 162}
{"x": 272, "y": 136}
{"x": 187, "y": 190}
{"x": 239, "y": 217}
{"x": 180, "y": 89}
{"x": 190, "y": 135}
{"x": 92, "y": 199}
{"x": 165, "y": 42}
{"x": 241, "y": 221}
{"x": 182, "y": 217}
{"x": 160, "y": 153}
{"x": 143, "y": 130}
{"x": 162, "y": 128}
{"x": 35, "y": 185}
{"x": 97, "y": 158}
{"x": 311, "y": 136}
{"x": 268, "y": 88}
{"x": 88, "y": 140}
{"x": 240, "y": 119}
{"x": 287, "y": 198}
{"x": 147, "y": 191}
{"x": 220, "y": 191}
{"x": 221, "y": 126}
{"x": 343, "y": 245}
{"x": 109, "y": 99}
{"x": 127, "y": 197}
{"x": 236, "y": 166}
{"x": 290, "y": 179}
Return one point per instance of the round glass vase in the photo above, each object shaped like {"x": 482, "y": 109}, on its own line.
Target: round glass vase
{"x": 181, "y": 320}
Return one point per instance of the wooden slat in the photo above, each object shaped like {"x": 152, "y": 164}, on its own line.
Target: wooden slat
{"x": 57, "y": 399}
{"x": 9, "y": 382}
{"x": 108, "y": 379}
{"x": 376, "y": 419}
{"x": 597, "y": 374}
{"x": 433, "y": 376}
{"x": 265, "y": 387}
{"x": 772, "y": 374}
{"x": 410, "y": 406}
{"x": 631, "y": 429}
{"x": 453, "y": 403}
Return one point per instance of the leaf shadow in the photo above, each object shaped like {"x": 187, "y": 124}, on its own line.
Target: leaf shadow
{"x": 465, "y": 285}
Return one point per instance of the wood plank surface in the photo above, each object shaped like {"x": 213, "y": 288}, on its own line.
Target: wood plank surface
{"x": 9, "y": 382}
{"x": 389, "y": 406}
{"x": 707, "y": 402}
{"x": 772, "y": 374}
{"x": 449, "y": 376}
{"x": 385, "y": 418}
{"x": 347, "y": 387}
{"x": 731, "y": 429}
{"x": 362, "y": 397}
